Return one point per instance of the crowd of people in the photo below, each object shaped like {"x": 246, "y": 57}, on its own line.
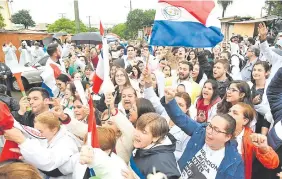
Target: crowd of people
{"x": 174, "y": 113}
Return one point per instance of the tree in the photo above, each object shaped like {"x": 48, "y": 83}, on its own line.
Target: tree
{"x": 274, "y": 8}
{"x": 137, "y": 19}
{"x": 120, "y": 30}
{"x": 23, "y": 17}
{"x": 224, "y": 4}
{"x": 2, "y": 20}
{"x": 93, "y": 29}
{"x": 66, "y": 25}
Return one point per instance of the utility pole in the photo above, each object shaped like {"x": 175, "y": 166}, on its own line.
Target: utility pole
{"x": 89, "y": 20}
{"x": 76, "y": 13}
{"x": 62, "y": 15}
{"x": 130, "y": 5}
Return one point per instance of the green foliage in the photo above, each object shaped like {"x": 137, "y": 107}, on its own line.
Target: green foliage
{"x": 274, "y": 8}
{"x": 224, "y": 4}
{"x": 137, "y": 19}
{"x": 93, "y": 29}
{"x": 66, "y": 25}
{"x": 2, "y": 20}
{"x": 120, "y": 30}
{"x": 23, "y": 17}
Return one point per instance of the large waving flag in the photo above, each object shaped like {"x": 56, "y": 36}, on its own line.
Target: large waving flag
{"x": 189, "y": 23}
{"x": 49, "y": 75}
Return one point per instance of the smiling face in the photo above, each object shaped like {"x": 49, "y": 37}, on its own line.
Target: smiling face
{"x": 120, "y": 78}
{"x": 259, "y": 72}
{"x": 61, "y": 85}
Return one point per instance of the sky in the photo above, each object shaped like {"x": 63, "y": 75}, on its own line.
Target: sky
{"x": 113, "y": 11}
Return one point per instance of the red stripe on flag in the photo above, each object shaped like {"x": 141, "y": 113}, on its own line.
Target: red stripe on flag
{"x": 56, "y": 69}
{"x": 102, "y": 32}
{"x": 97, "y": 83}
{"x": 92, "y": 125}
{"x": 200, "y": 9}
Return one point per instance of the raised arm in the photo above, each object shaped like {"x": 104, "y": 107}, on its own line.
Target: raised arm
{"x": 179, "y": 118}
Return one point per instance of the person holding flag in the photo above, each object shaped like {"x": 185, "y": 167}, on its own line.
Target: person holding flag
{"x": 54, "y": 67}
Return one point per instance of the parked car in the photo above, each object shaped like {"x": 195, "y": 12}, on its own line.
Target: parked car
{"x": 30, "y": 73}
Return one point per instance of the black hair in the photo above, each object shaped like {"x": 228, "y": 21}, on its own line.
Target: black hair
{"x": 266, "y": 66}
{"x": 138, "y": 70}
{"x": 52, "y": 48}
{"x": 130, "y": 46}
{"x": 215, "y": 94}
{"x": 79, "y": 47}
{"x": 144, "y": 106}
{"x": 251, "y": 40}
{"x": 224, "y": 106}
{"x": 200, "y": 75}
{"x": 188, "y": 57}
{"x": 63, "y": 78}
{"x": 44, "y": 93}
{"x": 119, "y": 48}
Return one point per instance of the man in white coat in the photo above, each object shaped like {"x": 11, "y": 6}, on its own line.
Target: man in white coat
{"x": 25, "y": 54}
{"x": 37, "y": 52}
{"x": 10, "y": 55}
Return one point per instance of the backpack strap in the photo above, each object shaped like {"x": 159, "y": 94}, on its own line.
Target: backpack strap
{"x": 136, "y": 169}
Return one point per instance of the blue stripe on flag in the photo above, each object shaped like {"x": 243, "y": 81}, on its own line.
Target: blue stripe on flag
{"x": 136, "y": 169}
{"x": 48, "y": 89}
{"x": 188, "y": 34}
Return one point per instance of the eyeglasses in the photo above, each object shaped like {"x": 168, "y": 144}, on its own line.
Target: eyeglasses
{"x": 214, "y": 130}
{"x": 232, "y": 90}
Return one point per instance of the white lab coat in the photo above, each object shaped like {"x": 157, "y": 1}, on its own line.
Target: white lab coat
{"x": 104, "y": 166}
{"x": 37, "y": 54}
{"x": 54, "y": 155}
{"x": 11, "y": 59}
{"x": 25, "y": 55}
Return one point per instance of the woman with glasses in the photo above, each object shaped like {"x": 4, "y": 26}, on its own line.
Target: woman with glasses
{"x": 210, "y": 153}
{"x": 238, "y": 91}
{"x": 249, "y": 143}
{"x": 61, "y": 83}
{"x": 121, "y": 80}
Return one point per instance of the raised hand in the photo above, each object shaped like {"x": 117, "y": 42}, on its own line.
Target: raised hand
{"x": 24, "y": 104}
{"x": 260, "y": 141}
{"x": 86, "y": 155}
{"x": 262, "y": 30}
{"x": 169, "y": 94}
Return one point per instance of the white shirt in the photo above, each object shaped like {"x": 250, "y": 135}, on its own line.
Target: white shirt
{"x": 204, "y": 164}
{"x": 239, "y": 140}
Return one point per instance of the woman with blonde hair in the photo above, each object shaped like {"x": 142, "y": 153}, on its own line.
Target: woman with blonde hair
{"x": 16, "y": 169}
{"x": 52, "y": 158}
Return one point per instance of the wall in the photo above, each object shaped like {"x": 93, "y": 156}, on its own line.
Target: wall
{"x": 244, "y": 29}
{"x": 16, "y": 38}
